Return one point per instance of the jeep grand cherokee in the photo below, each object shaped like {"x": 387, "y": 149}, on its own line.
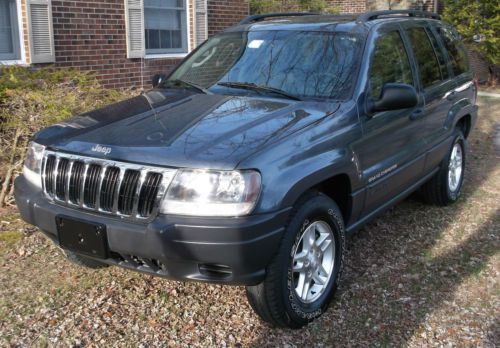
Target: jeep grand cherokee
{"x": 253, "y": 159}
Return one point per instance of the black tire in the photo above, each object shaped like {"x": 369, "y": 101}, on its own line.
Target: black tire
{"x": 275, "y": 299}
{"x": 437, "y": 190}
{"x": 84, "y": 261}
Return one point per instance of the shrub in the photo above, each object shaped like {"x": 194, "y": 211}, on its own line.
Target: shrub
{"x": 477, "y": 18}
{"x": 33, "y": 99}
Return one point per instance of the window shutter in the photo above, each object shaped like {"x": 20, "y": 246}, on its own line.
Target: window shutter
{"x": 41, "y": 31}
{"x": 201, "y": 22}
{"x": 134, "y": 17}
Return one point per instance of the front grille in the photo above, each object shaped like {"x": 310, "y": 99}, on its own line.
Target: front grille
{"x": 110, "y": 187}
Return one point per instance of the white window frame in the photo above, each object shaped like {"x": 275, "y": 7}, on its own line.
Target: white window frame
{"x": 20, "y": 36}
{"x": 171, "y": 55}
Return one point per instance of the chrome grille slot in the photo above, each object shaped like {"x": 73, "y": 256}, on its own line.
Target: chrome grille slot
{"x": 127, "y": 190}
{"x": 91, "y": 185}
{"x": 61, "y": 178}
{"x": 75, "y": 182}
{"x": 108, "y": 188}
{"x": 50, "y": 166}
{"x": 149, "y": 190}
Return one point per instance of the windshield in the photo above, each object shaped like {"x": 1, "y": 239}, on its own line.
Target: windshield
{"x": 299, "y": 63}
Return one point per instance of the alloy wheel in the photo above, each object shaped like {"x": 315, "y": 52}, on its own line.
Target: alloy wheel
{"x": 455, "y": 168}
{"x": 313, "y": 261}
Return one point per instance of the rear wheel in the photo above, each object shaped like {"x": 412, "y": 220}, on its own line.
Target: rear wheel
{"x": 445, "y": 187}
{"x": 304, "y": 275}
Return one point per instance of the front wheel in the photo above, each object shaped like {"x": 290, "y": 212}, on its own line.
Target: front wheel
{"x": 304, "y": 275}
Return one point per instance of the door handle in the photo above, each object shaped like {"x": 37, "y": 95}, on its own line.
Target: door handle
{"x": 417, "y": 114}
{"x": 451, "y": 95}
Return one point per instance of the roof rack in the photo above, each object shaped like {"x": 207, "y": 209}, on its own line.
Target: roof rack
{"x": 365, "y": 17}
{"x": 369, "y": 16}
{"x": 261, "y": 17}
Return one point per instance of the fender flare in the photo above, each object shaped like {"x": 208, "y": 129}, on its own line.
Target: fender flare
{"x": 345, "y": 166}
{"x": 459, "y": 111}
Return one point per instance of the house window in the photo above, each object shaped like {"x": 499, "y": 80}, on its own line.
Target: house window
{"x": 9, "y": 36}
{"x": 165, "y": 26}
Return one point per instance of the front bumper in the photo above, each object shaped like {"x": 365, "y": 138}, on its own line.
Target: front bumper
{"x": 222, "y": 250}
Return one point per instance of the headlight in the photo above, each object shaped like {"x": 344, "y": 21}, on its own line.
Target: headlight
{"x": 212, "y": 193}
{"x": 33, "y": 163}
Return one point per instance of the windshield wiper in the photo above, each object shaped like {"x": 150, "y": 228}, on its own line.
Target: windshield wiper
{"x": 258, "y": 88}
{"x": 186, "y": 83}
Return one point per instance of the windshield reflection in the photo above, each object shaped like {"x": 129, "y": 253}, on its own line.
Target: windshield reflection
{"x": 299, "y": 63}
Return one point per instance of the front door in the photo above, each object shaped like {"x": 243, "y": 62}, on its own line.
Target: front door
{"x": 389, "y": 152}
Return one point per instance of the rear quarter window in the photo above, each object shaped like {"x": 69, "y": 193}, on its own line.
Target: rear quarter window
{"x": 456, "y": 50}
{"x": 439, "y": 54}
{"x": 428, "y": 66}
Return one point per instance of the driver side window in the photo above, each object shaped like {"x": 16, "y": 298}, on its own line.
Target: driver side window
{"x": 390, "y": 63}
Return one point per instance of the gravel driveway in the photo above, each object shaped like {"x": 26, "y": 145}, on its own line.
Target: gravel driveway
{"x": 417, "y": 276}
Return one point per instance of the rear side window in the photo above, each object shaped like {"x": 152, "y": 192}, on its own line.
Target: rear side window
{"x": 456, "y": 51}
{"x": 430, "y": 73}
{"x": 390, "y": 63}
{"x": 439, "y": 55}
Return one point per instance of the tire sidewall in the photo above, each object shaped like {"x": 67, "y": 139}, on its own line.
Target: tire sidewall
{"x": 318, "y": 209}
{"x": 458, "y": 139}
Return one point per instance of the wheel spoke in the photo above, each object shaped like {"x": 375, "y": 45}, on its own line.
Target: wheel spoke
{"x": 326, "y": 243}
{"x": 318, "y": 279}
{"x": 454, "y": 152}
{"x": 322, "y": 237}
{"x": 322, "y": 271}
{"x": 308, "y": 237}
{"x": 300, "y": 257}
{"x": 300, "y": 282}
{"x": 305, "y": 289}
{"x": 303, "y": 286}
{"x": 299, "y": 267}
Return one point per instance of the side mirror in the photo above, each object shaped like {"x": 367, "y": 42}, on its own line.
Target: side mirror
{"x": 395, "y": 96}
{"x": 158, "y": 80}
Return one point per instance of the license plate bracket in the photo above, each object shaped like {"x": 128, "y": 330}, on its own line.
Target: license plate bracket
{"x": 81, "y": 236}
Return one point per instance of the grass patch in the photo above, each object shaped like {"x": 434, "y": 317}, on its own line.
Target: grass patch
{"x": 9, "y": 238}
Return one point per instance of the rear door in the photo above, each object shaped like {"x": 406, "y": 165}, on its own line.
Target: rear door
{"x": 458, "y": 63}
{"x": 436, "y": 85}
{"x": 388, "y": 153}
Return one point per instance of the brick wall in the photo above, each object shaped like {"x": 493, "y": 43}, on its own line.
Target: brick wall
{"x": 344, "y": 6}
{"x": 25, "y": 36}
{"x": 90, "y": 35}
{"x": 349, "y": 6}
{"x": 225, "y": 13}
{"x": 427, "y": 5}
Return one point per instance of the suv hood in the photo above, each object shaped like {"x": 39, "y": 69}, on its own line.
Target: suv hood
{"x": 179, "y": 129}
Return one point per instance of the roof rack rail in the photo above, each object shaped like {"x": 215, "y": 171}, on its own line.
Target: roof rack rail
{"x": 263, "y": 16}
{"x": 369, "y": 16}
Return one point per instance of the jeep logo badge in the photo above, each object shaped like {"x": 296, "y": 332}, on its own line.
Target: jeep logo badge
{"x": 102, "y": 149}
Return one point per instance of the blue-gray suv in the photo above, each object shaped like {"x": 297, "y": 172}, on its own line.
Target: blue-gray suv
{"x": 254, "y": 158}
